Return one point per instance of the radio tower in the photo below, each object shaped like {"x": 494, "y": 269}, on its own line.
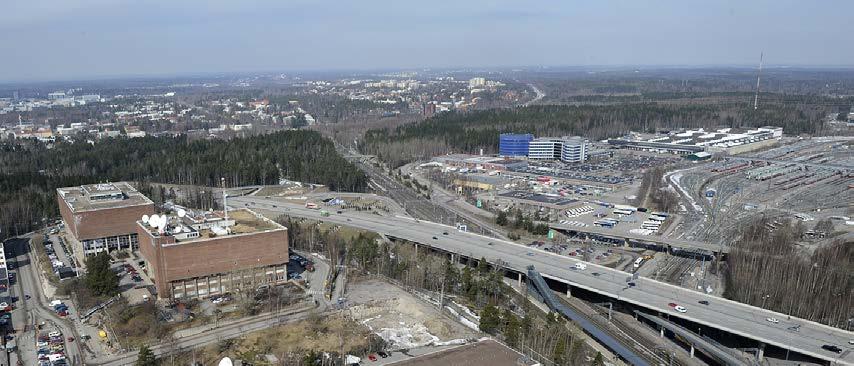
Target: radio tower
{"x": 758, "y": 76}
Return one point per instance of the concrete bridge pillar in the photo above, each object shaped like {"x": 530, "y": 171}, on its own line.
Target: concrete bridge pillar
{"x": 760, "y": 354}
{"x": 692, "y": 351}
{"x": 416, "y": 251}
{"x": 453, "y": 258}
{"x": 661, "y": 331}
{"x": 626, "y": 243}
{"x": 519, "y": 279}
{"x": 568, "y": 291}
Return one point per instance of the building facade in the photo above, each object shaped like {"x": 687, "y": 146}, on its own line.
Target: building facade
{"x": 545, "y": 149}
{"x": 102, "y": 217}
{"x": 514, "y": 145}
{"x": 235, "y": 254}
{"x": 574, "y": 150}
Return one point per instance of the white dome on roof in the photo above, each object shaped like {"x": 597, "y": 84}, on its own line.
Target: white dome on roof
{"x": 226, "y": 362}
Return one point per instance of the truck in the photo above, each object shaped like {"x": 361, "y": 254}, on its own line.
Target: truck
{"x": 311, "y": 205}
{"x": 580, "y": 266}
{"x": 324, "y": 213}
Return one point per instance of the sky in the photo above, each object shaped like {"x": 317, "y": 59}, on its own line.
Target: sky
{"x": 44, "y": 40}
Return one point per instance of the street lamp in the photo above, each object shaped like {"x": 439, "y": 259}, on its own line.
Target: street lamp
{"x": 763, "y": 300}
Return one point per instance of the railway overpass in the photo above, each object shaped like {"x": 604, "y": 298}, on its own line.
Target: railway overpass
{"x": 729, "y": 316}
{"x": 670, "y": 245}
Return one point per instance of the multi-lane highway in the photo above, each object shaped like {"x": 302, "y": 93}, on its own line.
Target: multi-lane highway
{"x": 737, "y": 318}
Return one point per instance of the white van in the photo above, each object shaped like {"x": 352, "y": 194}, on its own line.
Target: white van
{"x": 580, "y": 266}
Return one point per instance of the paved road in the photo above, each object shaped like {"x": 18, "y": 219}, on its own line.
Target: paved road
{"x": 37, "y": 306}
{"x": 730, "y": 316}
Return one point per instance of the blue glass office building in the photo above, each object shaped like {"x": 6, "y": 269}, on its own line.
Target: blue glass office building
{"x": 513, "y": 144}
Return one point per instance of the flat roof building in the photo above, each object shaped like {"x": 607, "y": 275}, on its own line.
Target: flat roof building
{"x": 199, "y": 254}
{"x": 545, "y": 149}
{"x": 723, "y": 140}
{"x": 513, "y": 145}
{"x": 102, "y": 216}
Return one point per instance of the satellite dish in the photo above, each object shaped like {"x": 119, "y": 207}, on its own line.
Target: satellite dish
{"x": 163, "y": 221}
{"x": 182, "y": 212}
{"x": 178, "y": 230}
{"x": 144, "y": 219}
{"x": 226, "y": 362}
{"x": 153, "y": 220}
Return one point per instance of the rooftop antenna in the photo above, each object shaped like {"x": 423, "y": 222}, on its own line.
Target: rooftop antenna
{"x": 224, "y": 198}
{"x": 758, "y": 76}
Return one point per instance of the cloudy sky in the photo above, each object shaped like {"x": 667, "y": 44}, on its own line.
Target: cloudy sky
{"x": 77, "y": 39}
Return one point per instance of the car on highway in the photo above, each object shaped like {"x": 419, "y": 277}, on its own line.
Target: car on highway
{"x": 672, "y": 304}
{"x": 530, "y": 254}
{"x": 703, "y": 302}
{"x": 631, "y": 284}
{"x": 435, "y": 238}
{"x": 372, "y": 357}
{"x": 831, "y": 348}
{"x": 490, "y": 243}
{"x": 444, "y": 233}
{"x": 680, "y": 309}
{"x": 383, "y": 354}
{"x": 772, "y": 320}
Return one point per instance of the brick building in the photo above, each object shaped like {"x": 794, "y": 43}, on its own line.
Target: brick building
{"x": 101, "y": 217}
{"x": 205, "y": 254}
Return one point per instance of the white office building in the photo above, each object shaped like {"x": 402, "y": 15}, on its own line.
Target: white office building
{"x": 545, "y": 149}
{"x": 574, "y": 150}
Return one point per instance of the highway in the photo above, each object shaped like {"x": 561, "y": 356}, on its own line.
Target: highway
{"x": 730, "y": 316}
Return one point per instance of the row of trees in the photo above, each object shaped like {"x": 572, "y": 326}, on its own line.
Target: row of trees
{"x": 30, "y": 172}
{"x": 766, "y": 268}
{"x": 655, "y": 193}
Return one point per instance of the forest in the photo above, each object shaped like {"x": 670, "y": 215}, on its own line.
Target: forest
{"x": 768, "y": 269}
{"x": 468, "y": 132}
{"x": 30, "y": 172}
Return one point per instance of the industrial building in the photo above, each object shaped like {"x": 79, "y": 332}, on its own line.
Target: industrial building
{"x": 199, "y": 254}
{"x": 101, "y": 217}
{"x": 546, "y": 205}
{"x": 724, "y": 140}
{"x": 477, "y": 162}
{"x": 514, "y": 145}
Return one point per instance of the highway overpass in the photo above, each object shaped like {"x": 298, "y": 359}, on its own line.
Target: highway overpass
{"x": 730, "y": 316}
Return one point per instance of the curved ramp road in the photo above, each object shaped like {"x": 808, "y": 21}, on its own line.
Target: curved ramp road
{"x": 730, "y": 316}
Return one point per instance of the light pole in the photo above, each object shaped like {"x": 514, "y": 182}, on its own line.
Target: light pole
{"x": 765, "y": 298}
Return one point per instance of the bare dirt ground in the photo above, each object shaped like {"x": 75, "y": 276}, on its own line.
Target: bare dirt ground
{"x": 401, "y": 317}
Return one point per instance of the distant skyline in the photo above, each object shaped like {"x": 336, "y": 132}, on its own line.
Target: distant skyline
{"x": 47, "y": 40}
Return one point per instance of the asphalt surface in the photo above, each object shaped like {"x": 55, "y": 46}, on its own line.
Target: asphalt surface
{"x": 730, "y": 316}
{"x": 36, "y": 308}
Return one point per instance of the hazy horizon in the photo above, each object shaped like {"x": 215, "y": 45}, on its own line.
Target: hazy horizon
{"x": 98, "y": 39}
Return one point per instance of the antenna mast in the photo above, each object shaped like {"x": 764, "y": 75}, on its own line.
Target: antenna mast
{"x": 224, "y": 198}
{"x": 758, "y": 76}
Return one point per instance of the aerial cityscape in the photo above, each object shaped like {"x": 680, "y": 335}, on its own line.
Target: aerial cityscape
{"x": 382, "y": 183}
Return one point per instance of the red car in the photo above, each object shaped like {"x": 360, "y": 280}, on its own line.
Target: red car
{"x": 70, "y": 339}
{"x": 372, "y": 357}
{"x": 672, "y": 304}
